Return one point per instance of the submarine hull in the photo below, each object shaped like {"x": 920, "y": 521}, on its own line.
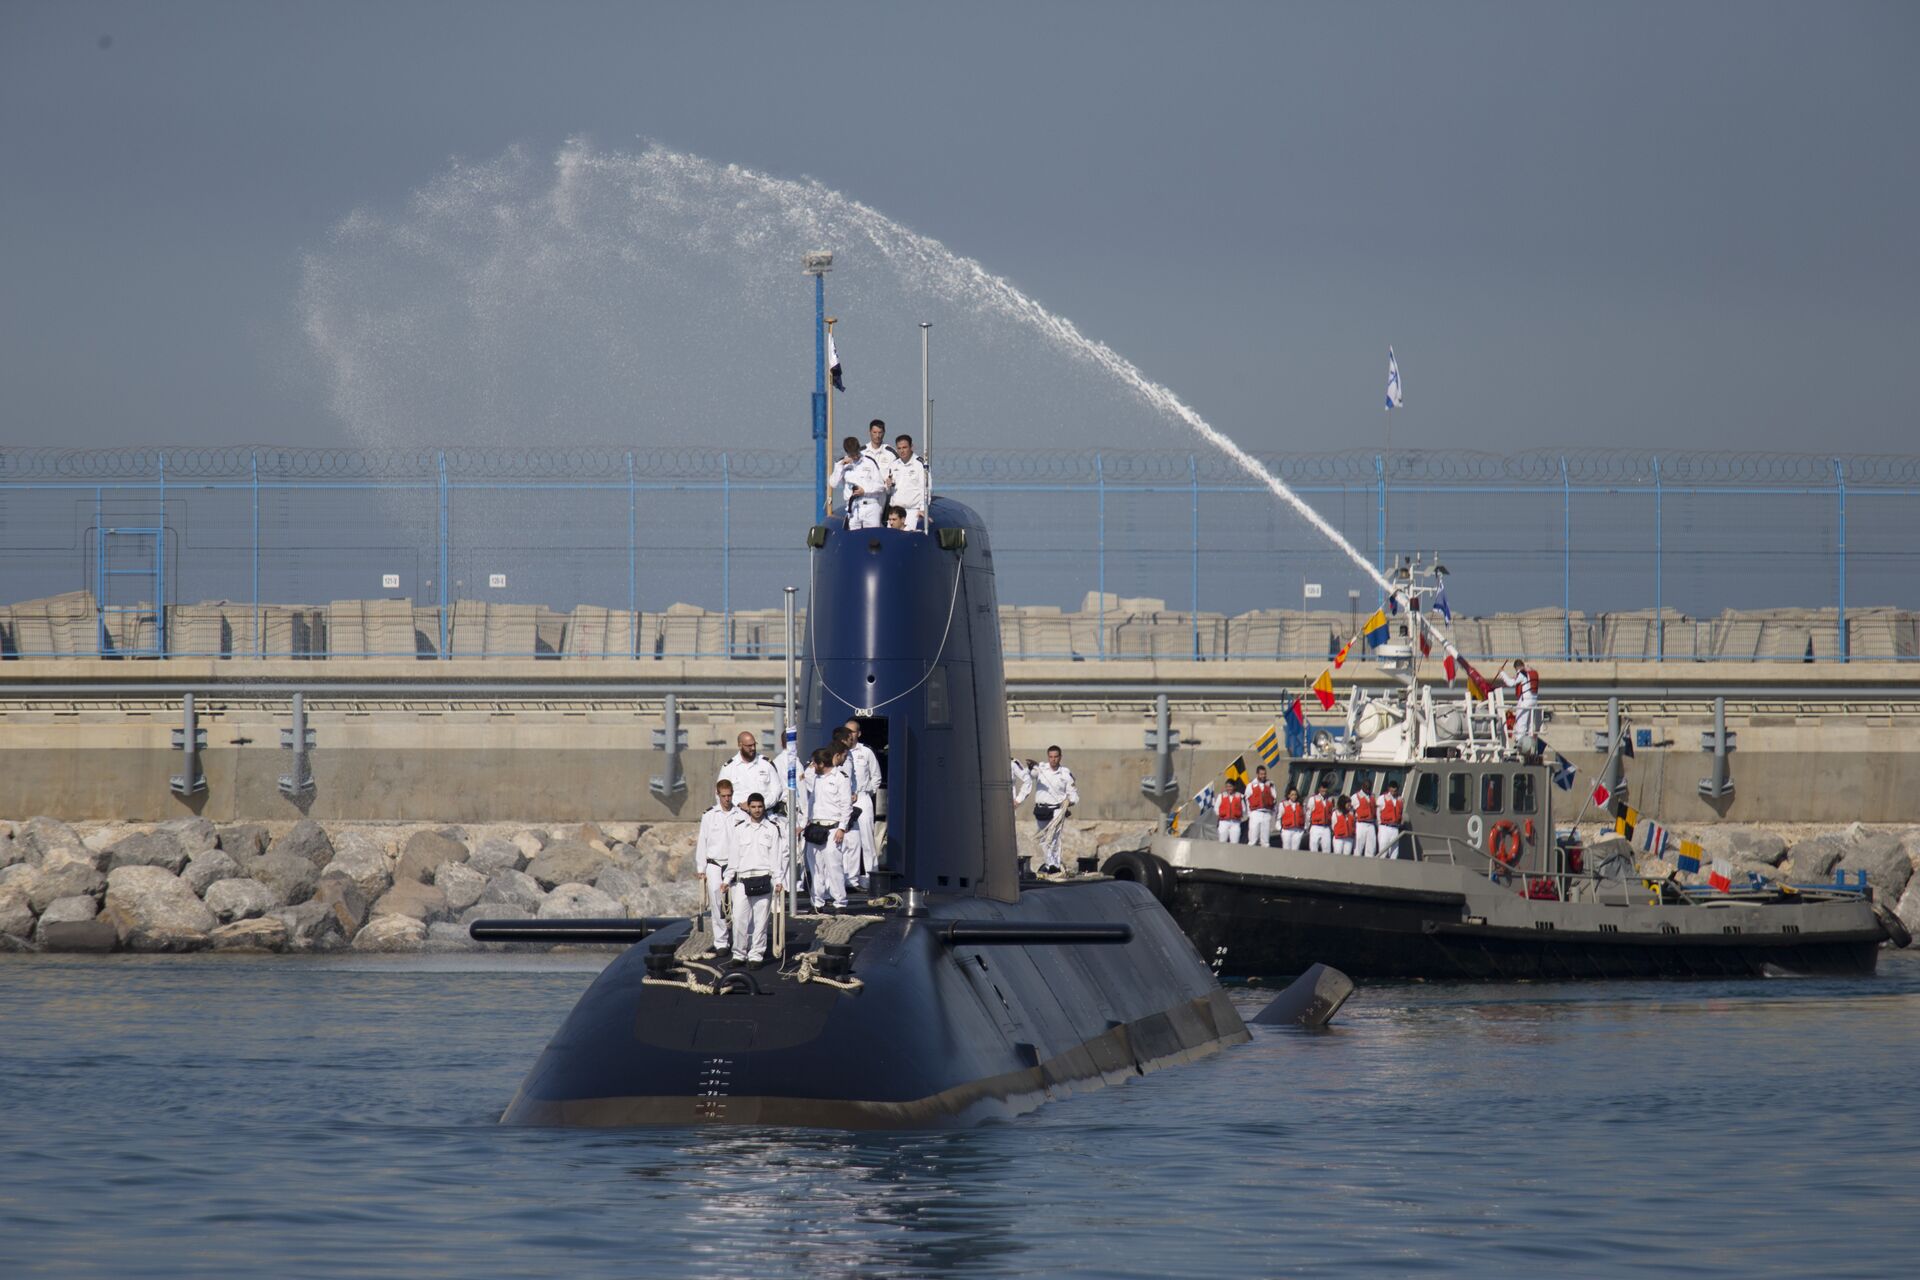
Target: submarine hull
{"x": 936, "y": 1034}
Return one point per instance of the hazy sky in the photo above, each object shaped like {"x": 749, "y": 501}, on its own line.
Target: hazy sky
{"x": 1668, "y": 225}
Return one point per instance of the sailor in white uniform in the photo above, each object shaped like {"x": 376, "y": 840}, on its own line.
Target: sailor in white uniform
{"x": 792, "y": 772}
{"x": 866, "y": 794}
{"x": 1525, "y": 682}
{"x": 713, "y": 854}
{"x": 912, "y": 487}
{"x": 862, "y": 482}
{"x": 829, "y": 799}
{"x": 749, "y": 771}
{"x": 753, "y": 873}
{"x": 1054, "y": 794}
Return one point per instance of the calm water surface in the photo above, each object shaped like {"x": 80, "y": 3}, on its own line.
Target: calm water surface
{"x": 215, "y": 1116}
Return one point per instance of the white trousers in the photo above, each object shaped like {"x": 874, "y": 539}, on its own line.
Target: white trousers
{"x": 716, "y": 899}
{"x": 869, "y": 846}
{"x": 1259, "y": 826}
{"x": 1343, "y": 845}
{"x": 1320, "y": 839}
{"x": 1290, "y": 837}
{"x": 916, "y": 519}
{"x": 1363, "y": 840}
{"x": 1387, "y": 836}
{"x": 864, "y": 513}
{"x": 752, "y": 919}
{"x": 1229, "y": 831}
{"x": 1526, "y": 718}
{"x": 1050, "y": 844}
{"x": 826, "y": 877}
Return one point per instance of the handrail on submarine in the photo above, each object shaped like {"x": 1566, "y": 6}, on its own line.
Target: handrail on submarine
{"x": 602, "y": 929}
{"x": 1015, "y": 933}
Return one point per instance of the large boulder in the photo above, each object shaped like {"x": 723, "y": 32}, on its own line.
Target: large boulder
{"x": 494, "y": 911}
{"x": 79, "y": 935}
{"x": 64, "y": 911}
{"x": 308, "y": 840}
{"x": 674, "y": 898}
{"x": 621, "y": 882}
{"x": 423, "y": 902}
{"x": 495, "y": 854}
{"x": 391, "y": 933}
{"x": 312, "y": 926}
{"x": 1882, "y": 857}
{"x": 425, "y": 852}
{"x": 192, "y": 834}
{"x": 242, "y": 899}
{"x": 531, "y": 842}
{"x": 16, "y": 912}
{"x": 243, "y": 841}
{"x": 1744, "y": 844}
{"x": 209, "y": 866}
{"x": 514, "y": 889}
{"x": 64, "y": 873}
{"x": 148, "y": 849}
{"x": 289, "y": 874}
{"x": 578, "y": 902}
{"x": 362, "y": 861}
{"x": 40, "y": 834}
{"x": 461, "y": 883}
{"x": 1811, "y": 861}
{"x": 343, "y": 897}
{"x": 568, "y": 862}
{"x": 1908, "y": 909}
{"x": 153, "y": 910}
{"x": 11, "y": 851}
{"x": 266, "y": 933}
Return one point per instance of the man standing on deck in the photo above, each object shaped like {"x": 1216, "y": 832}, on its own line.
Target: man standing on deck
{"x": 1525, "y": 682}
{"x": 912, "y": 489}
{"x": 1320, "y": 821}
{"x": 829, "y": 799}
{"x": 1390, "y": 820}
{"x": 1261, "y": 803}
{"x": 713, "y": 854}
{"x": 1054, "y": 794}
{"x": 757, "y": 855}
{"x": 1231, "y": 809}
{"x": 749, "y": 771}
{"x": 1293, "y": 820}
{"x": 1364, "y": 835}
{"x": 866, "y": 794}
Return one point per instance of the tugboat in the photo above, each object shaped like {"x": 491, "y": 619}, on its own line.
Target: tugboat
{"x": 1484, "y": 881}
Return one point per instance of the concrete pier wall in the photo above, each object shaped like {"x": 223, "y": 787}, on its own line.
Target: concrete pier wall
{"x": 87, "y": 741}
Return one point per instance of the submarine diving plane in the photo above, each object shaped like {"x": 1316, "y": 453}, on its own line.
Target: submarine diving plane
{"x": 962, "y": 995}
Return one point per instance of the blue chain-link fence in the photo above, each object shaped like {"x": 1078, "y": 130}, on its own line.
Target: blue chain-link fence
{"x": 289, "y": 552}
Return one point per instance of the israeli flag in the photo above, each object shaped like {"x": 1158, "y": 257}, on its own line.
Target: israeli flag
{"x": 1394, "y": 399}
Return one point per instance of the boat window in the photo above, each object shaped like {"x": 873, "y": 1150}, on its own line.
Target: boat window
{"x": 1523, "y": 794}
{"x": 1493, "y": 793}
{"x": 1395, "y": 778}
{"x": 1457, "y": 793}
{"x": 1363, "y": 779}
{"x": 1426, "y": 792}
{"x": 1332, "y": 778}
{"x": 1300, "y": 778}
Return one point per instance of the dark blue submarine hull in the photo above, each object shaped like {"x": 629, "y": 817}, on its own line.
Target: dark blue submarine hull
{"x": 937, "y": 1035}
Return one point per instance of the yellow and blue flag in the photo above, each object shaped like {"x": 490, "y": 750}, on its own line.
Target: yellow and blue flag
{"x": 1268, "y": 747}
{"x": 1376, "y": 628}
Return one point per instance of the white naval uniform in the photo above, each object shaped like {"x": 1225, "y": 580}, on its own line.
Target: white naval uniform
{"x": 713, "y": 854}
{"x": 1052, "y": 787}
{"x": 757, "y": 851}
{"x": 829, "y": 796}
{"x": 863, "y": 512}
{"x": 912, "y": 490}
{"x": 758, "y": 775}
{"x": 1526, "y": 711}
{"x": 866, "y": 794}
{"x": 1022, "y": 783}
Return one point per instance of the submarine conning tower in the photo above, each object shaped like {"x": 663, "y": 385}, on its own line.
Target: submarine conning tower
{"x": 903, "y": 634}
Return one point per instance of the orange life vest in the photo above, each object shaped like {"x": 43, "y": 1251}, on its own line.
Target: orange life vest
{"x": 1389, "y": 811}
{"x": 1292, "y": 816}
{"x": 1363, "y": 807}
{"x": 1232, "y": 808}
{"x": 1343, "y": 825}
{"x": 1322, "y": 807}
{"x": 1260, "y": 795}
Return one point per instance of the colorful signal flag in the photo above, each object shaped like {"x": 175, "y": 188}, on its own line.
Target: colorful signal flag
{"x": 1375, "y": 629}
{"x": 1323, "y": 689}
{"x": 1268, "y": 747}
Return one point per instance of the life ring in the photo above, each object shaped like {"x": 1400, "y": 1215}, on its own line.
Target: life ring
{"x": 1503, "y": 842}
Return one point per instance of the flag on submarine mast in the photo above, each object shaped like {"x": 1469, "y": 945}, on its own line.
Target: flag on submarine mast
{"x": 833, "y": 363}
{"x": 1394, "y": 399}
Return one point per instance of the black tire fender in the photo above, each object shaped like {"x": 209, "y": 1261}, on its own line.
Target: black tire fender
{"x": 1897, "y": 931}
{"x": 1143, "y": 868}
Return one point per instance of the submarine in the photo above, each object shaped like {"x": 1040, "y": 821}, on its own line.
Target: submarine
{"x": 955, "y": 994}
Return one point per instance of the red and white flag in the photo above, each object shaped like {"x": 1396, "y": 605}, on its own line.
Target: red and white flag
{"x": 1601, "y": 795}
{"x": 1721, "y": 877}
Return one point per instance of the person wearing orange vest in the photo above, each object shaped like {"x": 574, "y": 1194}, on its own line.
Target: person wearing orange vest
{"x": 1390, "y": 812}
{"x": 1293, "y": 820}
{"x": 1525, "y": 683}
{"x": 1260, "y": 806}
{"x": 1343, "y": 826}
{"x": 1320, "y": 821}
{"x": 1232, "y": 811}
{"x": 1364, "y": 836}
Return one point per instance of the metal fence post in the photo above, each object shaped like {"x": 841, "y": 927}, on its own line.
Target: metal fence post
{"x": 1566, "y": 556}
{"x": 259, "y": 640}
{"x": 633, "y": 549}
{"x": 100, "y": 574}
{"x": 160, "y": 566}
{"x": 726, "y": 557}
{"x": 1100, "y": 559}
{"x": 1840, "y": 488}
{"x": 443, "y": 553}
{"x": 1193, "y": 471}
{"x": 1380, "y": 508}
{"x": 1659, "y": 534}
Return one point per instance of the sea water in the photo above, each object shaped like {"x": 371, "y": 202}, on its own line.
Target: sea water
{"x": 226, "y": 1116}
